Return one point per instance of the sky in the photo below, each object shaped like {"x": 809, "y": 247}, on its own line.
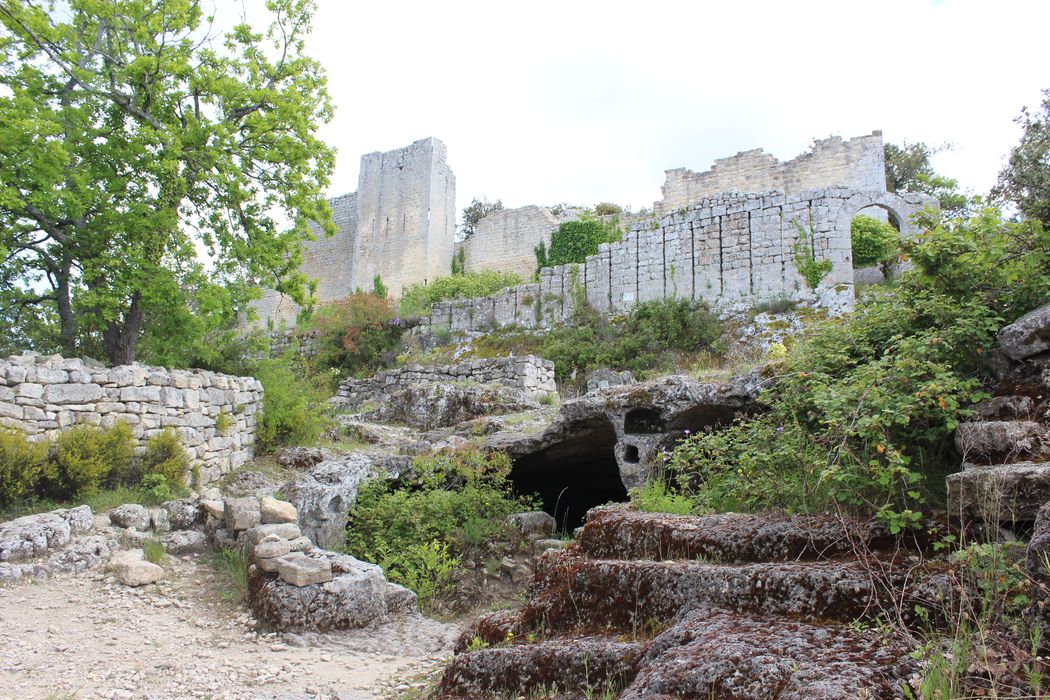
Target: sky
{"x": 581, "y": 102}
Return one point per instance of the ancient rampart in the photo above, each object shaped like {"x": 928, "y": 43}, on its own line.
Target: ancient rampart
{"x": 42, "y": 395}
{"x": 732, "y": 251}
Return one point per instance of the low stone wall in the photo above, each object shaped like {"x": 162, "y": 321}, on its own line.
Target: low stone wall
{"x": 42, "y": 395}
{"x": 530, "y": 374}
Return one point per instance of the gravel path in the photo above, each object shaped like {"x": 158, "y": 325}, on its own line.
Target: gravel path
{"x": 87, "y": 636}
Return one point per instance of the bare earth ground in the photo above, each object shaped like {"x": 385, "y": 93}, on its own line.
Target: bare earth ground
{"x": 88, "y": 636}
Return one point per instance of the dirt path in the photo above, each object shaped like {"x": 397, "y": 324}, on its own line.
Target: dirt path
{"x": 87, "y": 636}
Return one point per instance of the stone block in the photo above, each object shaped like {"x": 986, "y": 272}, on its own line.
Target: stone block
{"x": 272, "y": 547}
{"x": 300, "y": 570}
{"x": 275, "y": 511}
{"x": 130, "y": 515}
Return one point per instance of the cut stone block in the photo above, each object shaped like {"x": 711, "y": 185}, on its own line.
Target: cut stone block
{"x": 300, "y": 570}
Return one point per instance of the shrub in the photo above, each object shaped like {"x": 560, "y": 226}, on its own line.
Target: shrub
{"x": 295, "y": 407}
{"x": 165, "y": 457}
{"x": 416, "y": 299}
{"x": 356, "y": 334}
{"x": 223, "y": 423}
{"x": 874, "y": 241}
{"x": 22, "y": 463}
{"x": 607, "y": 209}
{"x": 573, "y": 241}
{"x": 82, "y": 457}
{"x": 656, "y": 496}
{"x": 153, "y": 550}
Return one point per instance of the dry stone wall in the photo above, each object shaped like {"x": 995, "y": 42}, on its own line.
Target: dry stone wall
{"x": 731, "y": 250}
{"x": 532, "y": 375}
{"x": 42, "y": 395}
{"x": 505, "y": 240}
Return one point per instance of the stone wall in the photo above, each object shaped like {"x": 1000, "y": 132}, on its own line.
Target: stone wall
{"x": 400, "y": 224}
{"x": 530, "y": 374}
{"x": 42, "y": 395}
{"x": 505, "y": 240}
{"x": 858, "y": 163}
{"x": 731, "y": 250}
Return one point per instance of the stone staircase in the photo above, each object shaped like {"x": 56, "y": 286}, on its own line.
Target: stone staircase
{"x": 650, "y": 605}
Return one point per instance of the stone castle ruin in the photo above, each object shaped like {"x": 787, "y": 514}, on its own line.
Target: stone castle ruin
{"x": 729, "y": 236}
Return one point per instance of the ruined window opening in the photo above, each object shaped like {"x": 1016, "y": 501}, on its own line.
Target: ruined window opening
{"x": 630, "y": 454}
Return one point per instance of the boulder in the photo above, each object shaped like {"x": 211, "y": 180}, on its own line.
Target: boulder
{"x": 300, "y": 458}
{"x": 130, "y": 515}
{"x": 33, "y": 535}
{"x": 132, "y": 569}
{"x": 272, "y": 547}
{"x": 241, "y": 513}
{"x": 214, "y": 507}
{"x": 285, "y": 531}
{"x": 250, "y": 484}
{"x": 534, "y": 524}
{"x": 159, "y": 520}
{"x": 274, "y": 511}
{"x": 184, "y": 513}
{"x": 181, "y": 542}
{"x": 987, "y": 442}
{"x": 1028, "y": 335}
{"x": 323, "y": 495}
{"x": 300, "y": 570}
{"x": 1003, "y": 494}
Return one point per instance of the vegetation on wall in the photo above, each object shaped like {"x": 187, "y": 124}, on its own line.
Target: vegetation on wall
{"x": 359, "y": 333}
{"x": 416, "y": 299}
{"x": 573, "y": 241}
{"x": 474, "y": 212}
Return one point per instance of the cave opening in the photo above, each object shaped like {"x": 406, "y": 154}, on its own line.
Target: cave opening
{"x": 573, "y": 475}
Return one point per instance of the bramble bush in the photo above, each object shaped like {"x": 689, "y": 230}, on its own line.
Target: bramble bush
{"x": 418, "y": 531}
{"x": 416, "y": 299}
{"x": 865, "y": 408}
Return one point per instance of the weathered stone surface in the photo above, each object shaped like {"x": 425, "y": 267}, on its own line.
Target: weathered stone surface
{"x": 616, "y": 532}
{"x": 300, "y": 458}
{"x": 272, "y": 547}
{"x": 130, "y": 515}
{"x": 1006, "y": 408}
{"x": 185, "y": 542}
{"x": 301, "y": 570}
{"x": 286, "y": 531}
{"x": 431, "y": 406}
{"x": 714, "y": 653}
{"x": 241, "y": 513}
{"x": 356, "y": 596}
{"x": 1003, "y": 493}
{"x": 542, "y": 545}
{"x": 274, "y": 511}
{"x": 33, "y": 535}
{"x": 250, "y": 484}
{"x": 184, "y": 513}
{"x": 323, "y": 495}
{"x": 132, "y": 569}
{"x": 996, "y": 442}
{"x": 214, "y": 508}
{"x": 601, "y": 379}
{"x": 534, "y": 524}
{"x": 81, "y": 554}
{"x": 1028, "y": 335}
{"x": 159, "y": 520}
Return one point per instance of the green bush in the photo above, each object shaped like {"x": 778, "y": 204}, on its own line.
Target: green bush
{"x": 874, "y": 241}
{"x": 573, "y": 241}
{"x": 416, "y": 299}
{"x": 22, "y": 463}
{"x": 865, "y": 409}
{"x": 357, "y": 334}
{"x": 84, "y": 456}
{"x": 418, "y": 532}
{"x": 166, "y": 457}
{"x": 295, "y": 407}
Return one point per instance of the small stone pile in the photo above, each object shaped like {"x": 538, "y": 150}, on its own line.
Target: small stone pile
{"x": 1006, "y": 449}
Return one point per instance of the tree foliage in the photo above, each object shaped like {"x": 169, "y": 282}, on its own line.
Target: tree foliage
{"x": 474, "y": 212}
{"x": 133, "y": 140}
{"x": 573, "y": 241}
{"x": 873, "y": 241}
{"x": 1025, "y": 180}
{"x": 908, "y": 169}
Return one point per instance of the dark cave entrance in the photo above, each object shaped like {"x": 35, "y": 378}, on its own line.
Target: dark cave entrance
{"x": 573, "y": 475}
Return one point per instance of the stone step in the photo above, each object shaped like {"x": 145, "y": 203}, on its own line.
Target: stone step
{"x": 707, "y": 652}
{"x": 582, "y": 667}
{"x": 1004, "y": 493}
{"x": 1000, "y": 441}
{"x": 615, "y": 532}
{"x": 576, "y": 595}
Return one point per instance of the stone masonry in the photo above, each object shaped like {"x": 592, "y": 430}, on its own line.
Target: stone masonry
{"x": 532, "y": 375}
{"x": 731, "y": 250}
{"x": 42, "y": 395}
{"x": 400, "y": 225}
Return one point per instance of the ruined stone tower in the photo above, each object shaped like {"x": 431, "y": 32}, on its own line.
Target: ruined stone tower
{"x": 400, "y": 224}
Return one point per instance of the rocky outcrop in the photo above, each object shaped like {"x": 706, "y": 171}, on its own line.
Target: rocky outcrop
{"x": 1028, "y": 336}
{"x": 33, "y": 535}
{"x": 649, "y": 605}
{"x": 432, "y": 406}
{"x": 324, "y": 493}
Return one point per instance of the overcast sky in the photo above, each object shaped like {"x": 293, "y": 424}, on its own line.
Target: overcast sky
{"x": 543, "y": 102}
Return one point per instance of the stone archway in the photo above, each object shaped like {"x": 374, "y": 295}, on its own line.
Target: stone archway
{"x": 900, "y": 210}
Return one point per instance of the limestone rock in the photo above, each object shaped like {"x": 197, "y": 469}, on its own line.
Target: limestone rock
{"x": 133, "y": 570}
{"x": 1028, "y": 335}
{"x": 534, "y": 524}
{"x": 272, "y": 547}
{"x": 274, "y": 511}
{"x": 184, "y": 513}
{"x": 604, "y": 378}
{"x": 241, "y": 513}
{"x": 250, "y": 484}
{"x": 1004, "y": 493}
{"x": 986, "y": 442}
{"x": 181, "y": 542}
{"x": 285, "y": 531}
{"x": 300, "y": 458}
{"x": 301, "y": 570}
{"x": 214, "y": 508}
{"x": 130, "y": 515}
{"x": 159, "y": 520}
{"x": 32, "y": 535}
{"x": 542, "y": 545}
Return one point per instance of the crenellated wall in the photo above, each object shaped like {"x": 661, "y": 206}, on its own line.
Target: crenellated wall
{"x": 732, "y": 251}
{"x": 42, "y": 395}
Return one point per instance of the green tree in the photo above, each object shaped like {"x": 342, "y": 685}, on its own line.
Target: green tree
{"x": 573, "y": 241}
{"x": 133, "y": 140}
{"x": 474, "y": 212}
{"x": 1025, "y": 180}
{"x": 908, "y": 169}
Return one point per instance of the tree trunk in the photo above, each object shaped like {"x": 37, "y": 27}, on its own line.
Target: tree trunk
{"x": 121, "y": 336}
{"x": 67, "y": 335}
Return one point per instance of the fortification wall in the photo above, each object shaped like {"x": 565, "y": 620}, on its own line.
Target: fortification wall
{"x": 858, "y": 163}
{"x": 504, "y": 240}
{"x": 406, "y": 219}
{"x": 42, "y": 395}
{"x": 732, "y": 251}
{"x": 530, "y": 374}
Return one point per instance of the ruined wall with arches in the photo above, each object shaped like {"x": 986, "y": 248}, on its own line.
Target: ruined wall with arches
{"x": 731, "y": 250}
